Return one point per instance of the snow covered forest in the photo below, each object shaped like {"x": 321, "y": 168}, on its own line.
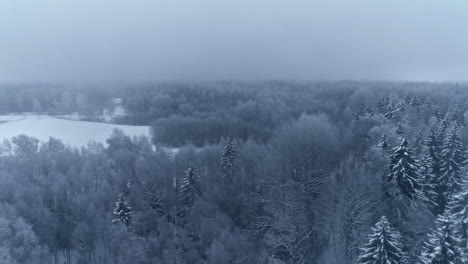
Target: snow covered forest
{"x": 238, "y": 172}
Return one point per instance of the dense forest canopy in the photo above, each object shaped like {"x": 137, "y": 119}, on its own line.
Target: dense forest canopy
{"x": 265, "y": 172}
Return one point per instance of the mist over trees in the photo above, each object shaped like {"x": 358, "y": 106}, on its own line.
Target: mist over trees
{"x": 267, "y": 173}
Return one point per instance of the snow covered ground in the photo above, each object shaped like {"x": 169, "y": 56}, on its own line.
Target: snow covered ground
{"x": 74, "y": 133}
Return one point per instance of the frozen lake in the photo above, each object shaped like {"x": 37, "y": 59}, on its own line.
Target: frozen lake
{"x": 73, "y": 133}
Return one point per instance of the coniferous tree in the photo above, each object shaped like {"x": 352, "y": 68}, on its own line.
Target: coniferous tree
{"x": 404, "y": 170}
{"x": 190, "y": 188}
{"x": 458, "y": 208}
{"x": 429, "y": 186}
{"x": 434, "y": 147}
{"x": 384, "y": 246}
{"x": 453, "y": 161}
{"x": 228, "y": 159}
{"x": 122, "y": 211}
{"x": 443, "y": 246}
{"x": 433, "y": 150}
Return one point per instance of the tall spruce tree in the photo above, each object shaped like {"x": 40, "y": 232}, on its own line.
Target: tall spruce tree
{"x": 433, "y": 150}
{"x": 429, "y": 186}
{"x": 384, "y": 246}
{"x": 443, "y": 245}
{"x": 404, "y": 171}
{"x": 122, "y": 211}
{"x": 228, "y": 160}
{"x": 434, "y": 147}
{"x": 453, "y": 161}
{"x": 458, "y": 208}
{"x": 190, "y": 188}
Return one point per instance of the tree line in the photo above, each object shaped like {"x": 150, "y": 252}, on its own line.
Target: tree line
{"x": 363, "y": 175}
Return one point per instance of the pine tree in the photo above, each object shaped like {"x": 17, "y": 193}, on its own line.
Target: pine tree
{"x": 453, "y": 160}
{"x": 122, "y": 211}
{"x": 190, "y": 188}
{"x": 433, "y": 150}
{"x": 434, "y": 147}
{"x": 458, "y": 208}
{"x": 429, "y": 186}
{"x": 404, "y": 170}
{"x": 384, "y": 246}
{"x": 228, "y": 159}
{"x": 443, "y": 247}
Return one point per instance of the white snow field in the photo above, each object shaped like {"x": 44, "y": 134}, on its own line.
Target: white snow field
{"x": 73, "y": 133}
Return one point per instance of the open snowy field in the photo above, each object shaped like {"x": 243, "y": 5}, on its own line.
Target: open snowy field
{"x": 74, "y": 133}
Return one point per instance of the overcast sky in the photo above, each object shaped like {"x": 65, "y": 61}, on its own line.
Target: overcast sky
{"x": 92, "y": 40}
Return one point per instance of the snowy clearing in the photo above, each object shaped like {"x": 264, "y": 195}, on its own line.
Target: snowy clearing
{"x": 116, "y": 110}
{"x": 73, "y": 133}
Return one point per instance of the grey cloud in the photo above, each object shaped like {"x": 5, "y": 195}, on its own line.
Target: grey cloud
{"x": 207, "y": 39}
